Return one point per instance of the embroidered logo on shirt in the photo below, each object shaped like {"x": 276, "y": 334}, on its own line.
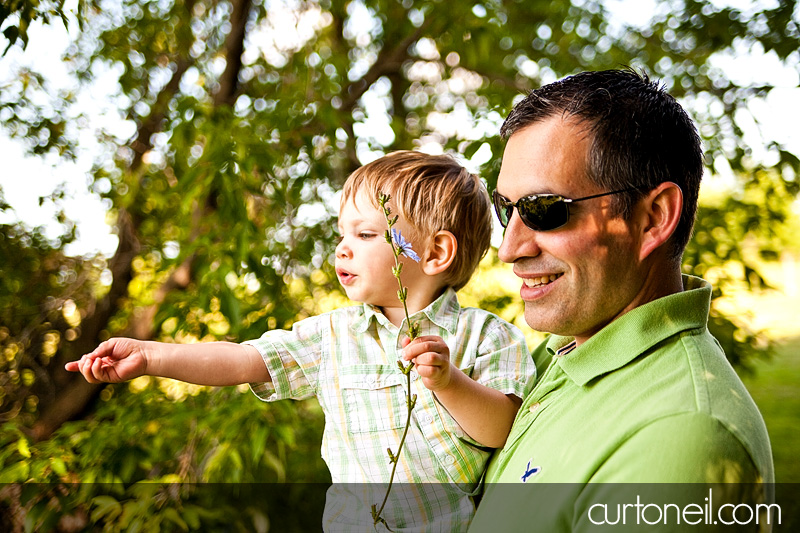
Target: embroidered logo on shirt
{"x": 530, "y": 471}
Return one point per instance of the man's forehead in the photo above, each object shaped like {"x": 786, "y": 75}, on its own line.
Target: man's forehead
{"x": 548, "y": 156}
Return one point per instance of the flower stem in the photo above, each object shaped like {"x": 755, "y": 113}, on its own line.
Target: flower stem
{"x": 410, "y": 401}
{"x": 413, "y": 332}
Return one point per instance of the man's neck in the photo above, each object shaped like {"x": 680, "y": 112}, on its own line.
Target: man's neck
{"x": 658, "y": 283}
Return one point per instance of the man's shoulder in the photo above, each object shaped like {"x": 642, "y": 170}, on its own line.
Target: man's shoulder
{"x": 689, "y": 447}
{"x": 694, "y": 400}
{"x": 690, "y": 373}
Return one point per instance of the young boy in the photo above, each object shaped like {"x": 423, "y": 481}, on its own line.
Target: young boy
{"x": 473, "y": 366}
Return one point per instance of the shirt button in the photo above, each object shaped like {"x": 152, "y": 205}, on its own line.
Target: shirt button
{"x": 447, "y": 459}
{"x": 535, "y": 407}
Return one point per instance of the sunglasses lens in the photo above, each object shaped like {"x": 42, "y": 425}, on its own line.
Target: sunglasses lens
{"x": 543, "y": 213}
{"x": 503, "y": 208}
{"x": 540, "y": 213}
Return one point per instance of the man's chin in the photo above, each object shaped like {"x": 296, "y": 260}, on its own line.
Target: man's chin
{"x": 534, "y": 319}
{"x": 539, "y": 319}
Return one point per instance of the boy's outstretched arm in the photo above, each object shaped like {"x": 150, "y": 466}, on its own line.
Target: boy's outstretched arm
{"x": 212, "y": 363}
{"x": 485, "y": 414}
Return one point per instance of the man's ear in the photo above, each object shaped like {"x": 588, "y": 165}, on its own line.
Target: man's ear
{"x": 440, "y": 253}
{"x": 660, "y": 211}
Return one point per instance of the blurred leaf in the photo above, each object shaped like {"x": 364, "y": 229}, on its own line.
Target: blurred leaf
{"x": 105, "y": 507}
{"x": 221, "y": 186}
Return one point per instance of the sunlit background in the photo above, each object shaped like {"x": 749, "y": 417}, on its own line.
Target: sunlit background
{"x": 225, "y": 210}
{"x": 25, "y": 179}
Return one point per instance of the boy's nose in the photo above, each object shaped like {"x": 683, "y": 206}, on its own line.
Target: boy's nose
{"x": 342, "y": 250}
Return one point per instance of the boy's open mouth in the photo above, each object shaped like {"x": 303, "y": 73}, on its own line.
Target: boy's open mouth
{"x": 344, "y": 276}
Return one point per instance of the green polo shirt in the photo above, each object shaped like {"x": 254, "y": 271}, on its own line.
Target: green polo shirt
{"x": 651, "y": 398}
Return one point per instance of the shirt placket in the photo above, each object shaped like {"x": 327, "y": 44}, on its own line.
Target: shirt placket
{"x": 541, "y": 395}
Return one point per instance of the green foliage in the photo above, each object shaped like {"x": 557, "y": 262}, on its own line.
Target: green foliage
{"x": 144, "y": 461}
{"x": 242, "y": 119}
{"x": 16, "y": 17}
{"x": 734, "y": 234}
{"x": 41, "y": 291}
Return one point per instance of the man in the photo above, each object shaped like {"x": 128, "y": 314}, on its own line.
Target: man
{"x": 597, "y": 193}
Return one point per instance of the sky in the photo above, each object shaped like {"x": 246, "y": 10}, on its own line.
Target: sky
{"x": 25, "y": 178}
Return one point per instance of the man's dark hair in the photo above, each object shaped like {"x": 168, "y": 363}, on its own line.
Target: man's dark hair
{"x": 641, "y": 136}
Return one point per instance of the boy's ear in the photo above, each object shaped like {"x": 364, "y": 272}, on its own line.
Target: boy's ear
{"x": 661, "y": 212}
{"x": 440, "y": 253}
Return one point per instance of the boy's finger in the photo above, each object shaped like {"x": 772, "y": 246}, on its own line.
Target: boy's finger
{"x": 85, "y": 369}
{"x": 96, "y": 369}
{"x": 408, "y": 352}
{"x": 412, "y": 352}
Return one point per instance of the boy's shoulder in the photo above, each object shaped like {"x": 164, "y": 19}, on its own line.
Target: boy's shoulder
{"x": 488, "y": 320}
{"x": 451, "y": 303}
{"x": 347, "y": 314}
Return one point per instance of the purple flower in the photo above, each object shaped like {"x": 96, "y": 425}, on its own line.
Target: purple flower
{"x": 403, "y": 246}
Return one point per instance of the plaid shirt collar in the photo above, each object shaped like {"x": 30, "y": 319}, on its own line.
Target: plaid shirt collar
{"x": 443, "y": 312}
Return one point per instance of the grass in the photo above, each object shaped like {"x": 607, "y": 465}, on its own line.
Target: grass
{"x": 775, "y": 387}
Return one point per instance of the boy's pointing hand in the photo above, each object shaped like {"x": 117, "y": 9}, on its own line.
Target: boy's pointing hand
{"x": 113, "y": 361}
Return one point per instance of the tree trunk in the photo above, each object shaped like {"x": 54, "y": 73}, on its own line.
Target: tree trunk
{"x": 75, "y": 394}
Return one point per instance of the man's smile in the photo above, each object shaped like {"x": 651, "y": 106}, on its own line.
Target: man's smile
{"x": 539, "y": 281}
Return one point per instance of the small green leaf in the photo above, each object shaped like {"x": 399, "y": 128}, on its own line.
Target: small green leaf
{"x": 172, "y": 515}
{"x": 23, "y": 448}
{"x": 105, "y": 506}
{"x": 58, "y": 466}
{"x": 17, "y": 473}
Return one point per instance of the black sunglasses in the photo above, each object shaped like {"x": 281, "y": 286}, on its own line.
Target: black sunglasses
{"x": 540, "y": 212}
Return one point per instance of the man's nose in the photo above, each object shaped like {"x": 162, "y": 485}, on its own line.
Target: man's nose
{"x": 518, "y": 241}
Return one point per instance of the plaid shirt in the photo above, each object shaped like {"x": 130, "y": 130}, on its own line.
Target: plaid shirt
{"x": 347, "y": 358}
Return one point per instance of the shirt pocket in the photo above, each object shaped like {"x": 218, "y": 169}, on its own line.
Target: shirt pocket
{"x": 374, "y": 397}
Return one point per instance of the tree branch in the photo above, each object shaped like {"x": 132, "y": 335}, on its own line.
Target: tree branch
{"x": 234, "y": 48}
{"x": 388, "y": 61}
{"x": 75, "y": 392}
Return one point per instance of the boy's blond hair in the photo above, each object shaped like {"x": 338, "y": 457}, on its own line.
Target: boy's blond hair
{"x": 431, "y": 193}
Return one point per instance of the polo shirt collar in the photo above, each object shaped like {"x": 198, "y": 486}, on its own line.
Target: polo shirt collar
{"x": 635, "y": 332}
{"x": 443, "y": 312}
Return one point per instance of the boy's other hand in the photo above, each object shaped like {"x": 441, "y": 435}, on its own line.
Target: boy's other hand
{"x": 431, "y": 358}
{"x": 115, "y": 360}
